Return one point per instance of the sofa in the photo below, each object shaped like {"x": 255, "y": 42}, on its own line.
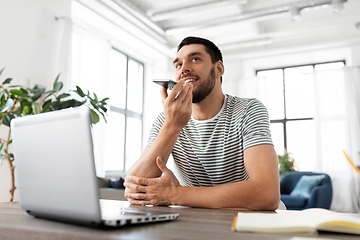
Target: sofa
{"x": 111, "y": 189}
{"x": 302, "y": 190}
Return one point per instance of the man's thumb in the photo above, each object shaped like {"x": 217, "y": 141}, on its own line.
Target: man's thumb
{"x": 161, "y": 164}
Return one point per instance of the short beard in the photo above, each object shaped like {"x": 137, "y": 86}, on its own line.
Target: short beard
{"x": 208, "y": 87}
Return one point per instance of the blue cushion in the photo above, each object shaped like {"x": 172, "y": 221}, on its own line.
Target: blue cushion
{"x": 305, "y": 184}
{"x": 294, "y": 202}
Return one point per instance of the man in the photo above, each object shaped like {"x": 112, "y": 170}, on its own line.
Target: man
{"x": 221, "y": 144}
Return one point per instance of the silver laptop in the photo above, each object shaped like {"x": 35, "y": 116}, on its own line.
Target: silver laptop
{"x": 56, "y": 172}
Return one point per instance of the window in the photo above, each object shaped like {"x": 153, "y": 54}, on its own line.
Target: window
{"x": 290, "y": 100}
{"x": 124, "y": 128}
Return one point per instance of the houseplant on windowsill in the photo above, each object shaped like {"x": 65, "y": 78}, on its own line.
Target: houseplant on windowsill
{"x": 18, "y": 101}
{"x": 286, "y": 163}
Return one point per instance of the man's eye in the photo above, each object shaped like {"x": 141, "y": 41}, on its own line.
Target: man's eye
{"x": 177, "y": 66}
{"x": 195, "y": 59}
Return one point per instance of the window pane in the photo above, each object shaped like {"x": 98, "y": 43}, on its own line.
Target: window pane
{"x": 277, "y": 135}
{"x": 329, "y": 66}
{"x": 273, "y": 85}
{"x": 135, "y": 86}
{"x": 301, "y": 143}
{"x": 117, "y": 79}
{"x": 133, "y": 141}
{"x": 299, "y": 92}
{"x": 114, "y": 147}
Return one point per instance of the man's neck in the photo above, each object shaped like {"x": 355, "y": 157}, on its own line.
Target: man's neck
{"x": 209, "y": 107}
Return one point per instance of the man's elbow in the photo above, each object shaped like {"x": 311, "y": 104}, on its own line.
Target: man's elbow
{"x": 272, "y": 202}
{"x": 268, "y": 199}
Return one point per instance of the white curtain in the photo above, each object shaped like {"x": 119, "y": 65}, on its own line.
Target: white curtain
{"x": 90, "y": 60}
{"x": 65, "y": 52}
{"x": 338, "y": 129}
{"x": 337, "y": 121}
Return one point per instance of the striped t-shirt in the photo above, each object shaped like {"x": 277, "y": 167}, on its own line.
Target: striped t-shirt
{"x": 211, "y": 152}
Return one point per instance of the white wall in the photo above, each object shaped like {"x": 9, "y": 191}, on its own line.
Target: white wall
{"x": 238, "y": 68}
{"x": 30, "y": 44}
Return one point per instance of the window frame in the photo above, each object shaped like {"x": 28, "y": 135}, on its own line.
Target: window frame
{"x": 285, "y": 120}
{"x": 128, "y": 113}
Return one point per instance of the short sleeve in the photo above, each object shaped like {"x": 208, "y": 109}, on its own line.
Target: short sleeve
{"x": 155, "y": 129}
{"x": 256, "y": 128}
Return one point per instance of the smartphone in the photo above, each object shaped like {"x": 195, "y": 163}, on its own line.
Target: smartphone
{"x": 167, "y": 83}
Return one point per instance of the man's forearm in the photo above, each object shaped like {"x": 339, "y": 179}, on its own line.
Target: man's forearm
{"x": 162, "y": 146}
{"x": 244, "y": 194}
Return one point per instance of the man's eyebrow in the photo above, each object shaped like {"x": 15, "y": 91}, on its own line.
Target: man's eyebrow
{"x": 189, "y": 55}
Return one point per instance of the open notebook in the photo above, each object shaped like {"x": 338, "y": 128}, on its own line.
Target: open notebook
{"x": 56, "y": 172}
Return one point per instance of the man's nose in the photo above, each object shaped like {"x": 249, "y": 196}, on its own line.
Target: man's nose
{"x": 185, "y": 68}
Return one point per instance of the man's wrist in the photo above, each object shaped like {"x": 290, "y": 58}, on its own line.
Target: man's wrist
{"x": 180, "y": 196}
{"x": 171, "y": 128}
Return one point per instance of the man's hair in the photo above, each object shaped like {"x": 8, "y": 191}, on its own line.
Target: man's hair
{"x": 210, "y": 47}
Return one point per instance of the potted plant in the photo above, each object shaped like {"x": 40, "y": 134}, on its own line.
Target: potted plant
{"x": 18, "y": 101}
{"x": 286, "y": 163}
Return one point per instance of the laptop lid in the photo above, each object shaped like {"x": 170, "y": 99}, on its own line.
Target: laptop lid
{"x": 55, "y": 165}
{"x": 56, "y": 172}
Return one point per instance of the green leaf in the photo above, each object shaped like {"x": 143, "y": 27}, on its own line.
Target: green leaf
{"x": 16, "y": 92}
{"x": 79, "y": 91}
{"x": 71, "y": 103}
{"x": 104, "y": 100}
{"x": 24, "y": 91}
{"x": 94, "y": 117}
{"x": 58, "y": 86}
{"x": 2, "y": 98}
{"x": 24, "y": 102}
{"x": 64, "y": 95}
{"x": 36, "y": 96}
{"x": 93, "y": 103}
{"x": 48, "y": 94}
{"x": 1, "y": 160}
{"x": 37, "y": 108}
{"x": 26, "y": 110}
{"x": 18, "y": 113}
{"x": 9, "y": 155}
{"x": 6, "y": 119}
{"x": 2, "y": 148}
{"x": 8, "y": 80}
{"x": 55, "y": 105}
{"x": 56, "y": 81}
{"x": 8, "y": 104}
{"x": 46, "y": 105}
{"x": 95, "y": 97}
{"x": 103, "y": 108}
{"x": 1, "y": 71}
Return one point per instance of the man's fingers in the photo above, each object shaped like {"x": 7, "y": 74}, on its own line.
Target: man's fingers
{"x": 139, "y": 180}
{"x": 136, "y": 196}
{"x": 164, "y": 94}
{"x": 135, "y": 187}
{"x": 183, "y": 93}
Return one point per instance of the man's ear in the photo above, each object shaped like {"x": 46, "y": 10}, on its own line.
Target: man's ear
{"x": 220, "y": 69}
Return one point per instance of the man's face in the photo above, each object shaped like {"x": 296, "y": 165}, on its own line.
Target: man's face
{"x": 193, "y": 64}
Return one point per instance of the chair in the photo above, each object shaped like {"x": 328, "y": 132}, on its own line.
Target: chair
{"x": 281, "y": 206}
{"x": 318, "y": 196}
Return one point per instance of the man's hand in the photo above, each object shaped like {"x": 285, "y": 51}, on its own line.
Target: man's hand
{"x": 177, "y": 104}
{"x": 152, "y": 191}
